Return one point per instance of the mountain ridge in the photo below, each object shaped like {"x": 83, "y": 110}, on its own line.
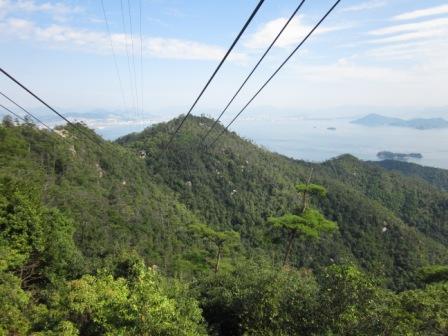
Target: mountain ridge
{"x": 149, "y": 202}
{"x": 232, "y": 172}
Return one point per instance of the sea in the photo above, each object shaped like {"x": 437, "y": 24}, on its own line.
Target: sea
{"x": 318, "y": 140}
{"x": 322, "y": 139}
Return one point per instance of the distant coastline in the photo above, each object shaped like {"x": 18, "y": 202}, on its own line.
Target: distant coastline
{"x": 375, "y": 120}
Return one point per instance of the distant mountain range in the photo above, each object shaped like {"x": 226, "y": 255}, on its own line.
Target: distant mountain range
{"x": 385, "y": 155}
{"x": 374, "y": 120}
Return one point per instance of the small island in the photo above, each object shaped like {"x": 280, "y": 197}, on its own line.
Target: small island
{"x": 331, "y": 128}
{"x": 385, "y": 155}
{"x": 376, "y": 120}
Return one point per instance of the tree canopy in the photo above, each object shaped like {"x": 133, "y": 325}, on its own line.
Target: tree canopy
{"x": 308, "y": 222}
{"x": 97, "y": 242}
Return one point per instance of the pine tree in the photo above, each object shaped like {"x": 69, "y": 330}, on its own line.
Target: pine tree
{"x": 219, "y": 238}
{"x": 308, "y": 222}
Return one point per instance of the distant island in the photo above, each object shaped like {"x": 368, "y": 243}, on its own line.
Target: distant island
{"x": 331, "y": 128}
{"x": 385, "y": 155}
{"x": 373, "y": 120}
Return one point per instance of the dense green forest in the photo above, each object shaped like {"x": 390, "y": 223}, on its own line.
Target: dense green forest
{"x": 435, "y": 176}
{"x": 135, "y": 237}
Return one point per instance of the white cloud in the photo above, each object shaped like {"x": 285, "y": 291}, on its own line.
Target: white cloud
{"x": 345, "y": 69}
{"x": 424, "y": 42}
{"x": 98, "y": 42}
{"x": 418, "y": 26}
{"x": 58, "y": 10}
{"x": 414, "y": 50}
{"x": 405, "y": 63}
{"x": 183, "y": 49}
{"x": 292, "y": 35}
{"x": 425, "y": 30}
{"x": 365, "y": 6}
{"x": 419, "y": 35}
{"x": 359, "y": 81}
{"x": 439, "y": 10}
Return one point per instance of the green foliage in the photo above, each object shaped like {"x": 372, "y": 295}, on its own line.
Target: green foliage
{"x": 254, "y": 300}
{"x": 218, "y": 237}
{"x": 388, "y": 224}
{"x": 347, "y": 301}
{"x": 222, "y": 239}
{"x": 425, "y": 311}
{"x": 79, "y": 226}
{"x": 143, "y": 305}
{"x": 435, "y": 176}
{"x": 309, "y": 224}
{"x": 434, "y": 273}
{"x": 37, "y": 252}
{"x": 311, "y": 189}
{"x": 13, "y": 306}
{"x": 39, "y": 262}
{"x": 413, "y": 200}
{"x": 115, "y": 203}
{"x": 37, "y": 241}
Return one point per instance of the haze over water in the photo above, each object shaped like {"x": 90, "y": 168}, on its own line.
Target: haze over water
{"x": 311, "y": 140}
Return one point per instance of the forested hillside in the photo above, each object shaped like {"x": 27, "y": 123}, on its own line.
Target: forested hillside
{"x": 115, "y": 202}
{"x": 410, "y": 198}
{"x": 389, "y": 224}
{"x": 135, "y": 237}
{"x": 437, "y": 177}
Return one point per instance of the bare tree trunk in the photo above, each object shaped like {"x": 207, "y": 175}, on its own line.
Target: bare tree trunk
{"x": 218, "y": 259}
{"x": 292, "y": 235}
{"x": 305, "y": 194}
{"x": 304, "y": 204}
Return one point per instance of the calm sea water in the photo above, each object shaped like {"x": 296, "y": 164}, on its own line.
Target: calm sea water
{"x": 311, "y": 140}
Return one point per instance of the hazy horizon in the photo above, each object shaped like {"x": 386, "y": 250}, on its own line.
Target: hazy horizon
{"x": 370, "y": 53}
{"x": 118, "y": 75}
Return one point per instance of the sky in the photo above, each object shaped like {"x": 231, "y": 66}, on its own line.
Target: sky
{"x": 369, "y": 55}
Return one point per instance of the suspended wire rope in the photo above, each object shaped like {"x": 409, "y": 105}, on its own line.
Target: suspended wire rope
{"x": 275, "y": 72}
{"x": 141, "y": 54}
{"x": 81, "y": 130}
{"x": 26, "y": 111}
{"x": 13, "y": 113}
{"x": 253, "y": 70}
{"x": 126, "y": 45}
{"x": 249, "y": 20}
{"x": 117, "y": 69}
{"x": 133, "y": 56}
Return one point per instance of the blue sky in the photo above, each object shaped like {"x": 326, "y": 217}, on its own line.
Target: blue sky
{"x": 370, "y": 54}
